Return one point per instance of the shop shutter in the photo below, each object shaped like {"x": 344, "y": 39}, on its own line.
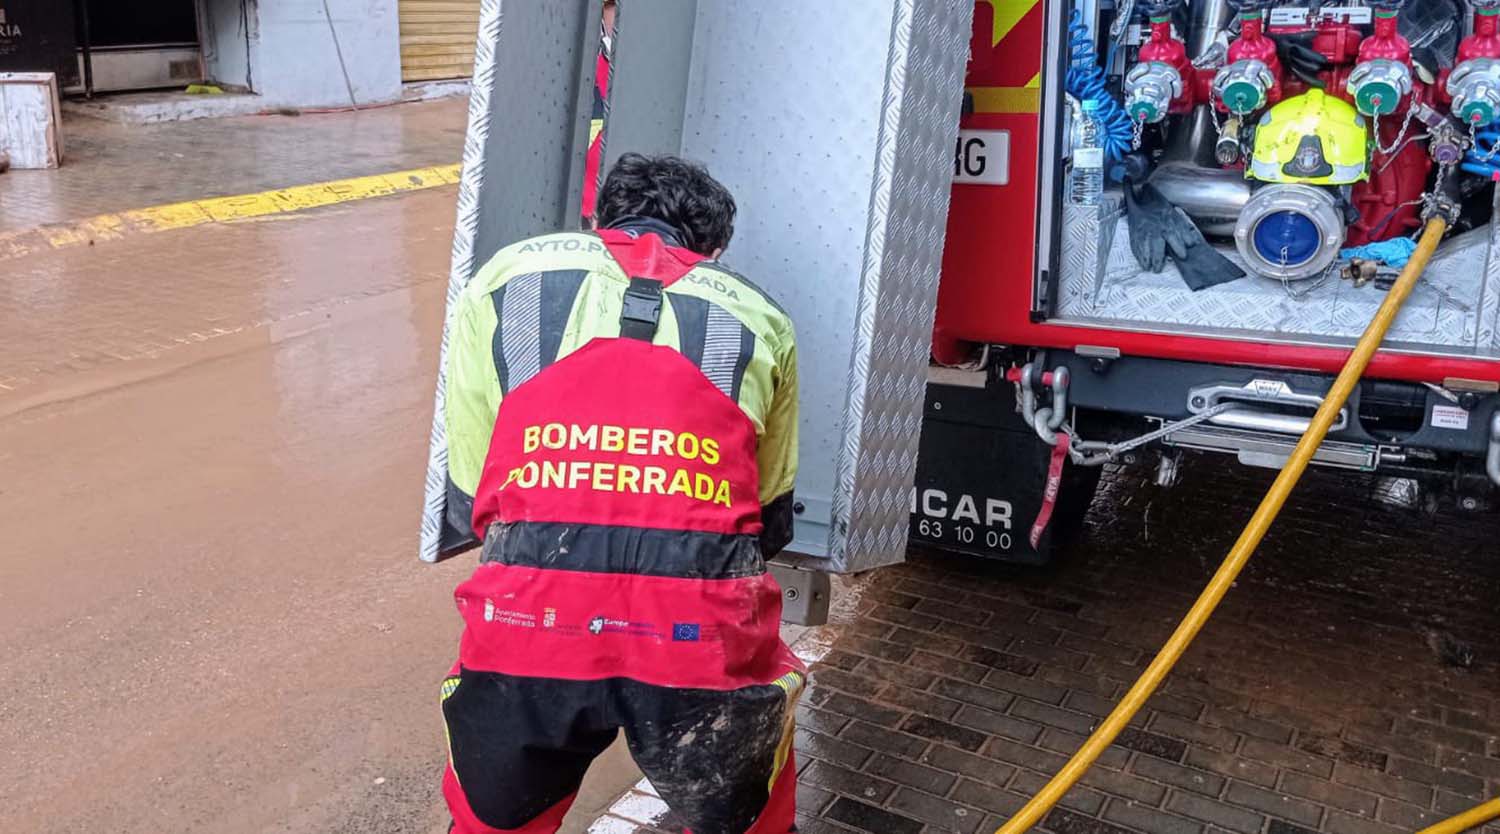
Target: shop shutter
{"x": 437, "y": 38}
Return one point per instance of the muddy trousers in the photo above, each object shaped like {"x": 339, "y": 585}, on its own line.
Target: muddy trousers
{"x": 519, "y": 747}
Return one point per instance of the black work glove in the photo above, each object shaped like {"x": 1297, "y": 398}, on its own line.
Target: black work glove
{"x": 1147, "y": 214}
{"x": 1200, "y": 265}
{"x": 1159, "y": 230}
{"x": 1296, "y": 54}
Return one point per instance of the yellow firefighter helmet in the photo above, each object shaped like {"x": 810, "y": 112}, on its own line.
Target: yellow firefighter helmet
{"x": 1314, "y": 139}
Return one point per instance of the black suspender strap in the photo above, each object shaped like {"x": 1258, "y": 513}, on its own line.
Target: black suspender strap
{"x": 642, "y": 309}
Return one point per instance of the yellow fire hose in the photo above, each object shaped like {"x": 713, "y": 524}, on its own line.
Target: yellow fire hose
{"x": 1472, "y": 818}
{"x": 1249, "y": 539}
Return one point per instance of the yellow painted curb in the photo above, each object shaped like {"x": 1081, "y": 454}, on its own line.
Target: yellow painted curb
{"x": 220, "y": 210}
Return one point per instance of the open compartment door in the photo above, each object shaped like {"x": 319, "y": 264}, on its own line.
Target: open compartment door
{"x": 834, "y": 126}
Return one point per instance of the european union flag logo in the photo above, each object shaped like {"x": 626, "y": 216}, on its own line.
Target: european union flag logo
{"x": 685, "y": 632}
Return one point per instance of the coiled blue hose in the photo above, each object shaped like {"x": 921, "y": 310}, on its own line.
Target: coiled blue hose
{"x": 1085, "y": 82}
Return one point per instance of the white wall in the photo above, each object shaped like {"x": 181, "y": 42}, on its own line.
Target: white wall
{"x": 229, "y": 39}
{"x": 292, "y": 59}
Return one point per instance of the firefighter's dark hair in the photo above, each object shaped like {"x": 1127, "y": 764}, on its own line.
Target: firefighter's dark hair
{"x": 673, "y": 190}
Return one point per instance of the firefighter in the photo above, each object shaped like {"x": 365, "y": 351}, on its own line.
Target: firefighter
{"x": 627, "y": 493}
{"x": 596, "y": 122}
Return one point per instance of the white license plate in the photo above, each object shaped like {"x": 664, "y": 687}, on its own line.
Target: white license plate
{"x": 1298, "y": 16}
{"x": 982, "y": 157}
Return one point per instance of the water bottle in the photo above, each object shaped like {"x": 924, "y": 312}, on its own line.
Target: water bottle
{"x": 1086, "y": 180}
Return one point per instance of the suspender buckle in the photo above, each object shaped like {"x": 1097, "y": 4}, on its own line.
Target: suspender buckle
{"x": 641, "y": 310}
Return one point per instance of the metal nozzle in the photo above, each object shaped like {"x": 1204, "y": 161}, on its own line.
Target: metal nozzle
{"x": 1227, "y": 148}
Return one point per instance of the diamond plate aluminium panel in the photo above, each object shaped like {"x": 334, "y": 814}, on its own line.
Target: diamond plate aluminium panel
{"x": 839, "y": 152}
{"x": 1083, "y": 255}
{"x": 898, "y": 292}
{"x": 791, "y": 126}
{"x": 522, "y": 165}
{"x": 1487, "y": 335}
{"x": 650, "y": 68}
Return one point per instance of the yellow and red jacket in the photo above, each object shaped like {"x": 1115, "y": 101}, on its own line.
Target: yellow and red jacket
{"x": 622, "y": 415}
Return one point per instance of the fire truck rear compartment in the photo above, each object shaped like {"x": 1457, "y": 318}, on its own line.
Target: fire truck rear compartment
{"x": 1453, "y": 311}
{"x": 1341, "y": 153}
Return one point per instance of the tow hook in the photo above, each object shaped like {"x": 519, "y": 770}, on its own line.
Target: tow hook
{"x": 1492, "y": 462}
{"x": 1047, "y": 419}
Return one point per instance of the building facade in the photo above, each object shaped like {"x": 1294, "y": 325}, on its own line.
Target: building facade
{"x": 291, "y": 53}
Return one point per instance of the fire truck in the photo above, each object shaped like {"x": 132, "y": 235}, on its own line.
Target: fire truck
{"x": 954, "y": 201}
{"x": 1048, "y": 295}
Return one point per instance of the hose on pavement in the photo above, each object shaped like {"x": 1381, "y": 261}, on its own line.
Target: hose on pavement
{"x": 1472, "y": 818}
{"x": 1249, "y": 539}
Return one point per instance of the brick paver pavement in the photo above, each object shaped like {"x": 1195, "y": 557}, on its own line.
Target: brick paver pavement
{"x": 1324, "y": 697}
{"x": 1329, "y": 694}
{"x": 110, "y": 167}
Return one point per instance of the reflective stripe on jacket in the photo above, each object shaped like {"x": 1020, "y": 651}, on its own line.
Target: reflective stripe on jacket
{"x": 544, "y": 298}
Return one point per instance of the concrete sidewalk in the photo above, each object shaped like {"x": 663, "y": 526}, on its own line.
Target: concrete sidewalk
{"x": 109, "y": 167}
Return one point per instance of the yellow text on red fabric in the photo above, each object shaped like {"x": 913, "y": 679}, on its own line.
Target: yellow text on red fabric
{"x": 670, "y": 473}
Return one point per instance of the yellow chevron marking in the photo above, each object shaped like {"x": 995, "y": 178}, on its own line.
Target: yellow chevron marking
{"x": 1035, "y": 83}
{"x": 1006, "y": 99}
{"x": 220, "y": 210}
{"x": 1007, "y": 14}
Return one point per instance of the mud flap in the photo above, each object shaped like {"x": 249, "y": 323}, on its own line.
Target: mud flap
{"x": 982, "y": 478}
